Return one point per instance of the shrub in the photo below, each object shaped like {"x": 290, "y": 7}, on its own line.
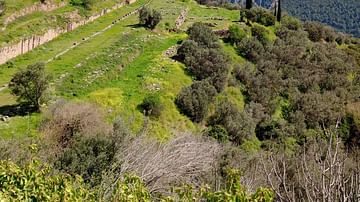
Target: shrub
{"x": 217, "y": 132}
{"x": 30, "y": 84}
{"x": 151, "y": 106}
{"x": 236, "y": 33}
{"x": 83, "y": 3}
{"x": 149, "y": 17}
{"x": 187, "y": 49}
{"x": 239, "y": 125}
{"x": 260, "y": 33}
{"x": 251, "y": 49}
{"x": 205, "y": 63}
{"x": 202, "y": 35}
{"x": 193, "y": 101}
{"x": 34, "y": 182}
{"x": 88, "y": 157}
{"x": 291, "y": 23}
{"x": 257, "y": 15}
{"x": 65, "y": 119}
{"x": 315, "y": 31}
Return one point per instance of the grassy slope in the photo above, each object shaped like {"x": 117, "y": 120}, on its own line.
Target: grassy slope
{"x": 118, "y": 68}
{"x": 39, "y": 22}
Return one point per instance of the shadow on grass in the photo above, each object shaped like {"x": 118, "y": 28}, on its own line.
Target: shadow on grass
{"x": 17, "y": 110}
{"x": 135, "y": 26}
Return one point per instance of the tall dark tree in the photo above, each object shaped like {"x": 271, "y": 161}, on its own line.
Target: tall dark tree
{"x": 249, "y": 4}
{"x": 279, "y": 11}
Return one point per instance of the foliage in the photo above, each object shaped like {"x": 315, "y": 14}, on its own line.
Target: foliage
{"x": 149, "y": 17}
{"x": 88, "y": 157}
{"x": 343, "y": 15}
{"x": 30, "y": 84}
{"x": 84, "y": 3}
{"x": 233, "y": 191}
{"x": 251, "y": 49}
{"x": 203, "y": 56}
{"x": 193, "y": 101}
{"x": 236, "y": 33}
{"x": 239, "y": 125}
{"x": 217, "y": 132}
{"x": 202, "y": 35}
{"x": 65, "y": 119}
{"x": 260, "y": 33}
{"x": 151, "y": 106}
{"x": 34, "y": 182}
{"x": 291, "y": 23}
{"x": 257, "y": 15}
{"x": 131, "y": 188}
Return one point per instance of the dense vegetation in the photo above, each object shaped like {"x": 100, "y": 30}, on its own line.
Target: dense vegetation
{"x": 259, "y": 111}
{"x": 342, "y": 15}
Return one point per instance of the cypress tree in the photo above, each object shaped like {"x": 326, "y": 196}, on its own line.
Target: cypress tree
{"x": 249, "y": 4}
{"x": 279, "y": 11}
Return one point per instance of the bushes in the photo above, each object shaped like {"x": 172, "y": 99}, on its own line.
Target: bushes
{"x": 88, "y": 157}
{"x": 83, "y": 3}
{"x": 202, "y": 35}
{"x": 236, "y": 34}
{"x": 149, "y": 17}
{"x": 257, "y": 15}
{"x": 193, "y": 101}
{"x": 65, "y": 119}
{"x": 251, "y": 49}
{"x": 203, "y": 57}
{"x": 239, "y": 125}
{"x": 217, "y": 132}
{"x": 260, "y": 33}
{"x": 291, "y": 23}
{"x": 315, "y": 31}
{"x": 151, "y": 106}
{"x": 205, "y": 63}
{"x": 34, "y": 182}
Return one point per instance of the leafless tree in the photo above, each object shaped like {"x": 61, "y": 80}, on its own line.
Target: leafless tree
{"x": 322, "y": 172}
{"x": 65, "y": 119}
{"x": 182, "y": 159}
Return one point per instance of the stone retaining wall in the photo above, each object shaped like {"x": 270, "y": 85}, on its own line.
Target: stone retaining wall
{"x": 29, "y": 43}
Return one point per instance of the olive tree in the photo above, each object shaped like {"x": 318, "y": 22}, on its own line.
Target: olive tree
{"x": 30, "y": 84}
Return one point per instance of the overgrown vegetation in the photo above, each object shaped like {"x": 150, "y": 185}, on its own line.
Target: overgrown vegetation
{"x": 149, "y": 17}
{"x": 276, "y": 106}
{"x": 30, "y": 84}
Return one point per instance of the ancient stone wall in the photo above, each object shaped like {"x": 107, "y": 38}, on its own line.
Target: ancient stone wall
{"x": 34, "y": 8}
{"x": 29, "y": 43}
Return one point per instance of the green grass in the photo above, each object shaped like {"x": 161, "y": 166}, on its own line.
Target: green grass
{"x": 38, "y": 23}
{"x": 118, "y": 68}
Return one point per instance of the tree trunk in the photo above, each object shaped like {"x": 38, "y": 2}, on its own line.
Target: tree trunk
{"x": 279, "y": 11}
{"x": 249, "y": 4}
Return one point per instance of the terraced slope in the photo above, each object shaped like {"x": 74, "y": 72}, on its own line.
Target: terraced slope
{"x": 115, "y": 68}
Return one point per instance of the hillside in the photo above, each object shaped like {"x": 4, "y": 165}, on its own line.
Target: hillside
{"x": 342, "y": 15}
{"x": 154, "y": 100}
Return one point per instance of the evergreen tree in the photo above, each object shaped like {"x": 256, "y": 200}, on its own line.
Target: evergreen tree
{"x": 249, "y": 4}
{"x": 279, "y": 11}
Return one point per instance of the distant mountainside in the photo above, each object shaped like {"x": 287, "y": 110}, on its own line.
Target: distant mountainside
{"x": 343, "y": 15}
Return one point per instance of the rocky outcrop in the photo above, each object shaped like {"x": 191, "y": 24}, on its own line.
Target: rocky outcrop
{"x": 46, "y": 7}
{"x": 29, "y": 43}
{"x": 181, "y": 19}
